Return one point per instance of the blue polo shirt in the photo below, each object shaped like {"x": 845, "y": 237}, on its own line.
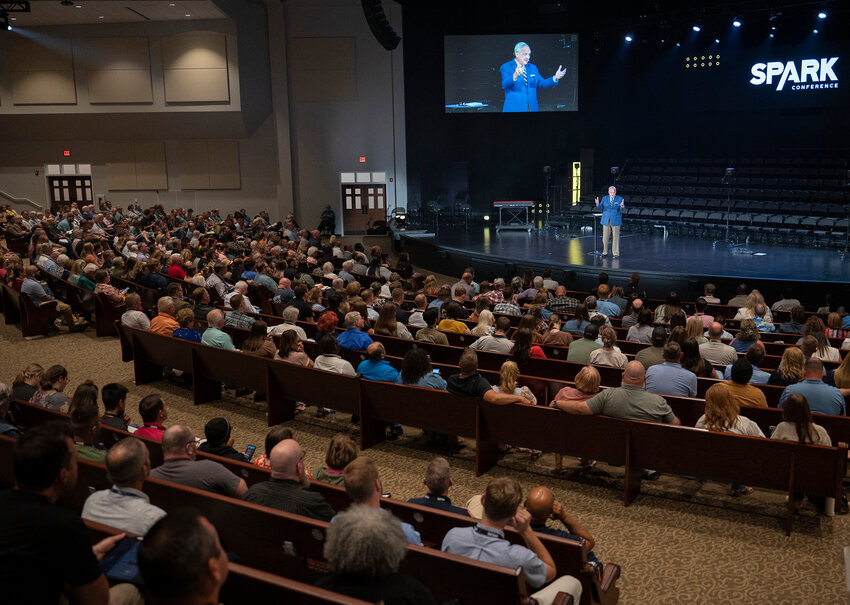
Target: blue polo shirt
{"x": 759, "y": 376}
{"x": 822, "y": 398}
{"x": 354, "y": 339}
{"x": 377, "y": 370}
{"x": 670, "y": 378}
{"x": 606, "y": 307}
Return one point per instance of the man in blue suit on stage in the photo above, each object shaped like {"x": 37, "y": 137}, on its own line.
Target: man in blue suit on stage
{"x": 520, "y": 79}
{"x": 611, "y": 219}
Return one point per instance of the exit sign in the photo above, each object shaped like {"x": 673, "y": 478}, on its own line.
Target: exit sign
{"x": 67, "y": 153}
{"x": 362, "y": 159}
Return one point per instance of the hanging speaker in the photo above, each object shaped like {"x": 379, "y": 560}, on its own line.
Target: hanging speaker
{"x": 379, "y": 25}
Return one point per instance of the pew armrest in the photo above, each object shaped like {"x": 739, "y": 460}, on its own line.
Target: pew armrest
{"x": 610, "y": 573}
{"x": 563, "y": 598}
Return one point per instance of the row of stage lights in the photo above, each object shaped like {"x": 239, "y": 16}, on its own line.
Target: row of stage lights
{"x": 736, "y": 23}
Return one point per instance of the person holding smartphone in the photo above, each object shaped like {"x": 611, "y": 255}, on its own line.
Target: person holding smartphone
{"x": 219, "y": 440}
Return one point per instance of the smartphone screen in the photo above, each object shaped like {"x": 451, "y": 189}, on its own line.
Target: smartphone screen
{"x": 249, "y": 452}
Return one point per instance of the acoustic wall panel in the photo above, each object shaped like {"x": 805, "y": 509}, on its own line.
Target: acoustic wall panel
{"x": 209, "y": 165}
{"x": 120, "y": 166}
{"x": 194, "y": 165}
{"x": 195, "y": 68}
{"x": 324, "y": 69}
{"x": 42, "y": 75}
{"x": 135, "y": 166}
{"x": 119, "y": 70}
{"x": 224, "y": 165}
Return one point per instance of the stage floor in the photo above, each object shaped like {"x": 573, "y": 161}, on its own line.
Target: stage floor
{"x": 650, "y": 253}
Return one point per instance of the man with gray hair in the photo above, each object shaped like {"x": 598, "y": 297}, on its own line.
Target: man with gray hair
{"x": 125, "y": 506}
{"x": 592, "y": 311}
{"x": 354, "y": 338}
{"x": 364, "y": 548}
{"x": 290, "y": 316}
{"x": 133, "y": 317}
{"x": 213, "y": 335}
{"x": 239, "y": 287}
{"x": 420, "y": 301}
{"x": 164, "y": 323}
{"x": 438, "y": 480}
{"x": 179, "y": 449}
{"x": 495, "y": 295}
{"x": 347, "y": 272}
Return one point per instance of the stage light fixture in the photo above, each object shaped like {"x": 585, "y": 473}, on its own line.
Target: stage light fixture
{"x": 678, "y": 44}
{"x": 697, "y": 28}
{"x": 717, "y": 40}
{"x": 771, "y": 36}
{"x": 486, "y": 217}
{"x": 629, "y": 38}
{"x": 814, "y": 31}
{"x": 822, "y": 15}
{"x": 736, "y": 22}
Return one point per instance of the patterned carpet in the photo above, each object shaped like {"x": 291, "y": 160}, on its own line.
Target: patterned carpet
{"x": 681, "y": 541}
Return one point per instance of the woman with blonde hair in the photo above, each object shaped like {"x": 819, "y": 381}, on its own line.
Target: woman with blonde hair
{"x": 430, "y": 287}
{"x": 486, "y": 323}
{"x": 388, "y": 324}
{"x": 790, "y": 370}
{"x": 748, "y": 311}
{"x": 481, "y": 304}
{"x": 694, "y": 328}
{"x": 26, "y": 382}
{"x": 508, "y": 375}
{"x": 722, "y": 415}
{"x": 608, "y": 355}
{"x": 835, "y": 327}
{"x": 841, "y": 376}
{"x": 825, "y": 352}
{"x": 77, "y": 270}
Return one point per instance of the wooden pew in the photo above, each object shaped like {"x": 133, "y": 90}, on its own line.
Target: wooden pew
{"x": 106, "y": 314}
{"x": 35, "y": 320}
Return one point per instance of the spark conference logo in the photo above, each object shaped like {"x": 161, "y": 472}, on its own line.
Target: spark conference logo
{"x": 812, "y": 74}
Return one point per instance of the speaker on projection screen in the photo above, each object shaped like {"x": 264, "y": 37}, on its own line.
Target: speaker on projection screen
{"x": 379, "y": 25}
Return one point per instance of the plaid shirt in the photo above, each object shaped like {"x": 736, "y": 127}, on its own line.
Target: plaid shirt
{"x": 238, "y": 319}
{"x": 494, "y": 296}
{"x": 563, "y": 304}
{"x": 508, "y": 308}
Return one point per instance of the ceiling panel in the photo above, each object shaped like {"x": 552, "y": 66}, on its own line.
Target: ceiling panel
{"x": 52, "y": 12}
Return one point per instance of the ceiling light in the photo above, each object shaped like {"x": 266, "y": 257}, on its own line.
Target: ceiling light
{"x": 814, "y": 31}
{"x": 188, "y": 15}
{"x": 697, "y": 28}
{"x": 736, "y": 22}
{"x": 822, "y": 15}
{"x": 629, "y": 38}
{"x": 171, "y": 4}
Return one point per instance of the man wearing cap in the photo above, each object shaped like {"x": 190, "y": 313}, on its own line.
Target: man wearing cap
{"x": 219, "y": 440}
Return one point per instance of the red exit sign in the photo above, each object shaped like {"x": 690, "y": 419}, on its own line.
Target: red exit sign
{"x": 67, "y": 153}
{"x": 362, "y": 159}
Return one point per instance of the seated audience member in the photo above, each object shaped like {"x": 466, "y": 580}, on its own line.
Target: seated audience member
{"x": 341, "y": 450}
{"x": 693, "y": 362}
{"x": 653, "y": 354}
{"x": 722, "y": 415}
{"x": 284, "y": 292}
{"x": 102, "y": 286}
{"x": 629, "y": 401}
{"x": 288, "y": 489}
{"x": 672, "y": 305}
{"x": 790, "y": 370}
{"x": 6, "y": 428}
{"x": 85, "y": 423}
{"x": 291, "y": 350}
{"x": 186, "y": 331}
{"x": 470, "y": 383}
{"x": 835, "y": 327}
{"x": 329, "y": 359}
{"x": 179, "y": 450}
{"x": 561, "y": 302}
{"x": 670, "y": 378}
{"x": 220, "y": 440}
{"x": 259, "y": 342}
{"x": 181, "y": 560}
{"x": 240, "y": 288}
{"x": 416, "y": 319}
{"x": 275, "y": 435}
{"x": 592, "y": 311}
{"x": 164, "y": 323}
{"x": 631, "y": 313}
{"x": 214, "y": 336}
{"x": 416, "y": 371}
{"x": 25, "y": 384}
{"x": 507, "y": 306}
{"x": 715, "y": 350}
{"x": 741, "y": 296}
{"x": 50, "y": 393}
{"x": 700, "y": 313}
{"x": 305, "y": 310}
{"x": 86, "y": 280}
{"x": 739, "y": 385}
{"x": 694, "y": 329}
{"x": 486, "y": 322}
{"x": 508, "y": 375}
{"x": 37, "y": 569}
{"x": 708, "y": 294}
{"x": 604, "y": 305}
{"x": 364, "y": 487}
{"x": 486, "y": 542}
{"x": 840, "y": 377}
{"x": 354, "y": 338}
{"x": 762, "y": 325}
{"x": 125, "y": 506}
{"x": 748, "y": 310}
{"x": 290, "y": 316}
{"x": 33, "y": 290}
{"x": 747, "y": 335}
{"x": 581, "y": 348}
{"x": 438, "y": 480}
{"x": 608, "y": 355}
{"x": 236, "y": 317}
{"x": 375, "y": 367}
{"x": 797, "y": 325}
{"x": 581, "y": 320}
{"x": 388, "y": 324}
{"x": 587, "y": 383}
{"x": 825, "y": 352}
{"x": 327, "y": 322}
{"x": 114, "y": 397}
{"x": 797, "y": 424}
{"x": 542, "y": 507}
{"x": 755, "y": 355}
{"x": 153, "y": 412}
{"x": 364, "y": 548}
{"x": 822, "y": 398}
{"x": 787, "y": 302}
{"x": 202, "y": 306}
{"x": 554, "y": 336}
{"x": 641, "y": 331}
{"x": 175, "y": 292}
{"x": 498, "y": 342}
{"x": 452, "y": 311}
{"x": 523, "y": 349}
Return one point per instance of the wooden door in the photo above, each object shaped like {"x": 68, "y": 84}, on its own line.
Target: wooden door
{"x": 362, "y": 205}
{"x": 66, "y": 189}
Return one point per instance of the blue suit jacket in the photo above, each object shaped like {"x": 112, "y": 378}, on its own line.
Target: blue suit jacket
{"x": 611, "y": 210}
{"x": 518, "y": 96}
